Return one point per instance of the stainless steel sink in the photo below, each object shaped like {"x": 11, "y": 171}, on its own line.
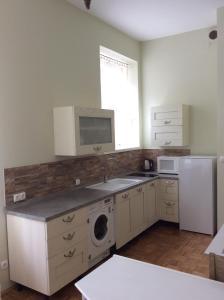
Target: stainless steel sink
{"x": 115, "y": 184}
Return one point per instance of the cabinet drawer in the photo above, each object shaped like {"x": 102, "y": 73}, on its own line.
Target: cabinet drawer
{"x": 67, "y": 239}
{"x": 66, "y": 222}
{"x": 68, "y": 265}
{"x": 169, "y": 211}
{"x": 169, "y": 196}
{"x": 168, "y": 186}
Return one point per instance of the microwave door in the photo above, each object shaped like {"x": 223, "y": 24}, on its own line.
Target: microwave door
{"x": 166, "y": 166}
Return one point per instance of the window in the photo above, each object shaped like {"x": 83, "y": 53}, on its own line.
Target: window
{"x": 119, "y": 92}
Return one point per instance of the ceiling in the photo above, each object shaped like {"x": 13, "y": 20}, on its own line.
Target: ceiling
{"x": 151, "y": 19}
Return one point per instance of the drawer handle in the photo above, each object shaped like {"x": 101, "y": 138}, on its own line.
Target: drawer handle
{"x": 97, "y": 148}
{"x": 69, "y": 237}
{"x": 167, "y": 122}
{"x": 70, "y": 253}
{"x": 125, "y": 196}
{"x": 170, "y": 182}
{"x": 167, "y": 143}
{"x": 169, "y": 204}
{"x": 152, "y": 184}
{"x": 139, "y": 190}
{"x": 69, "y": 219}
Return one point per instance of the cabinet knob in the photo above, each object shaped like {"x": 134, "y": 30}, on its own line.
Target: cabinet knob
{"x": 69, "y": 219}
{"x": 167, "y": 122}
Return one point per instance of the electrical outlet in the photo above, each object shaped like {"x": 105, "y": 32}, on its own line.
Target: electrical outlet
{"x": 19, "y": 197}
{"x": 77, "y": 181}
{"x": 4, "y": 264}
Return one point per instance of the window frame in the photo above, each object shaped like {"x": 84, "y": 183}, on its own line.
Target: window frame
{"x": 134, "y": 67}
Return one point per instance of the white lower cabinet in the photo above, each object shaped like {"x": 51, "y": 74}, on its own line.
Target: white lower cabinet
{"x": 135, "y": 210}
{"x": 167, "y": 200}
{"x": 45, "y": 256}
{"x": 150, "y": 195}
{"x": 122, "y": 219}
{"x": 139, "y": 208}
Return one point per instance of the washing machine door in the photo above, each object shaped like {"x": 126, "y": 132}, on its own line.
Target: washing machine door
{"x": 99, "y": 229}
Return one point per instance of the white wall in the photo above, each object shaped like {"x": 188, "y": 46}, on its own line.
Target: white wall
{"x": 220, "y": 116}
{"x": 183, "y": 69}
{"x": 49, "y": 55}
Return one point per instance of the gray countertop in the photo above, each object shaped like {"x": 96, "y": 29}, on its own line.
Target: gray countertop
{"x": 52, "y": 206}
{"x": 47, "y": 208}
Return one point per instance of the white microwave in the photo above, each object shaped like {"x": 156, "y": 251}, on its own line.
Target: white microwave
{"x": 168, "y": 164}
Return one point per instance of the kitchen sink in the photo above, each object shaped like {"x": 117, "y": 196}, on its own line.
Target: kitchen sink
{"x": 139, "y": 174}
{"x": 115, "y": 184}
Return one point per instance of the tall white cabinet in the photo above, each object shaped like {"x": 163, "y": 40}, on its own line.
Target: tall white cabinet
{"x": 170, "y": 125}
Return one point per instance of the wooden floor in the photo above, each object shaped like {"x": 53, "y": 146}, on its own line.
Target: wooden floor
{"x": 163, "y": 245}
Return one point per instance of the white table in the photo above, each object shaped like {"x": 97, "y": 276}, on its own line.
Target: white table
{"x": 217, "y": 244}
{"x": 122, "y": 278}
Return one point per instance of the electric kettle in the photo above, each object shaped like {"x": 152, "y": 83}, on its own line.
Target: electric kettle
{"x": 148, "y": 165}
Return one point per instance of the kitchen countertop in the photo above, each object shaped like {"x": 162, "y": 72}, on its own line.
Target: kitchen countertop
{"x": 47, "y": 208}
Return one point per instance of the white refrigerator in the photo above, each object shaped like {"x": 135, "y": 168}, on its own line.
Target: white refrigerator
{"x": 197, "y": 194}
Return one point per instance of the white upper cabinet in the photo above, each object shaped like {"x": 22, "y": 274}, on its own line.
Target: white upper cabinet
{"x": 170, "y": 125}
{"x": 82, "y": 131}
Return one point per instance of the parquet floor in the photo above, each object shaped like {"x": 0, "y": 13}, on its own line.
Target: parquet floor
{"x": 163, "y": 245}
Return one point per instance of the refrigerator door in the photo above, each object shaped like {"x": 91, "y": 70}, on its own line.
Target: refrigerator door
{"x": 196, "y": 195}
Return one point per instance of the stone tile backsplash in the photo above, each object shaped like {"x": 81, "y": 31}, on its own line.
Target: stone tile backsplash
{"x": 43, "y": 179}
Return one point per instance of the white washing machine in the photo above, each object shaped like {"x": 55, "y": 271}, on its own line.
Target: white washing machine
{"x": 101, "y": 230}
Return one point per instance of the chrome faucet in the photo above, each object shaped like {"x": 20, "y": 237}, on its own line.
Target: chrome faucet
{"x": 104, "y": 160}
{"x": 105, "y": 178}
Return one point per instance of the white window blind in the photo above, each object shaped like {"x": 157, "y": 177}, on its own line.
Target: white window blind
{"x": 119, "y": 92}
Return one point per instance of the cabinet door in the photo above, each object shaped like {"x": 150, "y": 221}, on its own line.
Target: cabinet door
{"x": 168, "y": 136}
{"x": 137, "y": 211}
{"x": 122, "y": 219}
{"x": 168, "y": 115}
{"x": 94, "y": 130}
{"x": 150, "y": 216}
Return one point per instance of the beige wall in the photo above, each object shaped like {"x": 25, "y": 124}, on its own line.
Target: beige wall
{"x": 183, "y": 69}
{"x": 49, "y": 55}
